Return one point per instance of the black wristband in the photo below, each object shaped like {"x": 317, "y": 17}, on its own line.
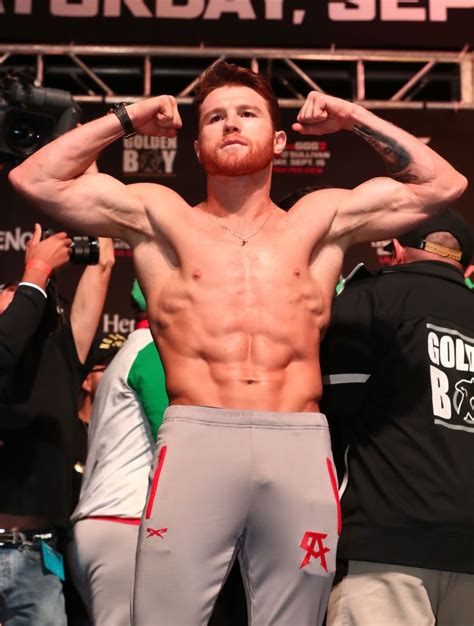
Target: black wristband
{"x": 121, "y": 112}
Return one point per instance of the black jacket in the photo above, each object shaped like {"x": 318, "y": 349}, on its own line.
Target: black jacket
{"x": 398, "y": 367}
{"x": 40, "y": 433}
{"x": 18, "y": 324}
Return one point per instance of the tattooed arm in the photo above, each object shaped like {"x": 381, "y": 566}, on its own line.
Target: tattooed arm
{"x": 397, "y": 158}
{"x": 419, "y": 182}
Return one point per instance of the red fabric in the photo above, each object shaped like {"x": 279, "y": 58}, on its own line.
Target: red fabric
{"x": 134, "y": 521}
{"x": 142, "y": 324}
{"x": 336, "y": 494}
{"x": 154, "y": 485}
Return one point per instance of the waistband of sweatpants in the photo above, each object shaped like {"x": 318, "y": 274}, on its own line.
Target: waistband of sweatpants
{"x": 238, "y": 417}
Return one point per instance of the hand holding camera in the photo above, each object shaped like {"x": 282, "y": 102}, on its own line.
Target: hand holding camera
{"x": 43, "y": 256}
{"x": 84, "y": 250}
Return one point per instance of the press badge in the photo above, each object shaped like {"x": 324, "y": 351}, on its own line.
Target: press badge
{"x": 52, "y": 561}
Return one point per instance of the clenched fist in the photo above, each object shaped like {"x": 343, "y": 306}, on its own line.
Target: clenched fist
{"x": 322, "y": 114}
{"x": 158, "y": 116}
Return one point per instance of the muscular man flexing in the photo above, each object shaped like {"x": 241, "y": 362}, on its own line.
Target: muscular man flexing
{"x": 239, "y": 294}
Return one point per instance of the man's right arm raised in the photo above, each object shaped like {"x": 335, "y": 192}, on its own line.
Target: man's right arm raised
{"x": 56, "y": 178}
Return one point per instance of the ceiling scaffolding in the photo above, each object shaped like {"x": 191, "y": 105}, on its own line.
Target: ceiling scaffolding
{"x": 374, "y": 78}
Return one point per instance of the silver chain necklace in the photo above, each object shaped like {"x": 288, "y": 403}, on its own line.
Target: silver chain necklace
{"x": 244, "y": 240}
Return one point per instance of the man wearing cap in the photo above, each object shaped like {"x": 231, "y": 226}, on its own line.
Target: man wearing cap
{"x": 127, "y": 412}
{"x": 398, "y": 368}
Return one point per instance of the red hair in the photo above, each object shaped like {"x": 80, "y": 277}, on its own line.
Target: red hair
{"x": 221, "y": 74}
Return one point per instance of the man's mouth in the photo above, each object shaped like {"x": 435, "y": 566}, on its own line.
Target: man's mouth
{"x": 232, "y": 142}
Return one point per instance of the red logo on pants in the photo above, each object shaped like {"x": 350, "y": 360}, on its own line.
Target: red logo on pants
{"x": 308, "y": 543}
{"x": 152, "y": 532}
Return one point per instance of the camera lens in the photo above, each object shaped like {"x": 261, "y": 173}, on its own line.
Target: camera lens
{"x": 85, "y": 250}
{"x": 23, "y": 136}
{"x": 25, "y": 132}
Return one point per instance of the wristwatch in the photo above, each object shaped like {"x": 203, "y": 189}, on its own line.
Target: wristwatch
{"x": 121, "y": 112}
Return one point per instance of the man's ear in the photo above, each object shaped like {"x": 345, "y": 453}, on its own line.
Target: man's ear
{"x": 86, "y": 384}
{"x": 197, "y": 150}
{"x": 399, "y": 256}
{"x": 279, "y": 142}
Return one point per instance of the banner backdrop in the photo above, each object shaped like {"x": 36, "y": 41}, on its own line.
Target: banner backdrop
{"x": 428, "y": 24}
{"x": 338, "y": 160}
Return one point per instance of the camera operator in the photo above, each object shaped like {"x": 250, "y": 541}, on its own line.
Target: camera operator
{"x": 39, "y": 428}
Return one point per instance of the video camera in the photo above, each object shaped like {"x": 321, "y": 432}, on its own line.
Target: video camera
{"x": 84, "y": 250}
{"x": 31, "y": 116}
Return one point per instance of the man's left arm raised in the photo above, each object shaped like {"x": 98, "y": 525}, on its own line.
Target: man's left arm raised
{"x": 419, "y": 183}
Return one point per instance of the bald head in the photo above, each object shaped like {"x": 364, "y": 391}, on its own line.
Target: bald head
{"x": 440, "y": 246}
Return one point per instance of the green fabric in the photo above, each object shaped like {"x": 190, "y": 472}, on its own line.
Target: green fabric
{"x": 147, "y": 378}
{"x": 137, "y": 295}
{"x": 340, "y": 285}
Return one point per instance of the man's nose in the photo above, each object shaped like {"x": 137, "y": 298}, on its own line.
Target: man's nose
{"x": 232, "y": 124}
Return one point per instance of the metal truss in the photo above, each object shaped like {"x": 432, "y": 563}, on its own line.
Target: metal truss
{"x": 374, "y": 78}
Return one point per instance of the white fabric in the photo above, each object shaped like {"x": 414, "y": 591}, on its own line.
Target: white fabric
{"x": 120, "y": 443}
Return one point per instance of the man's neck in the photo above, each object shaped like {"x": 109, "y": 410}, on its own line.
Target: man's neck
{"x": 247, "y": 196}
{"x": 414, "y": 255}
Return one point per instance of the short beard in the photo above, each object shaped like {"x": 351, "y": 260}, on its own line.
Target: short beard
{"x": 232, "y": 164}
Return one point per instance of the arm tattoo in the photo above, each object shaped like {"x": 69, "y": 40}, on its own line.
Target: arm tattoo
{"x": 396, "y": 157}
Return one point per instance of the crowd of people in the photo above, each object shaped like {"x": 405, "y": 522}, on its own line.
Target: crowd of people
{"x": 210, "y": 440}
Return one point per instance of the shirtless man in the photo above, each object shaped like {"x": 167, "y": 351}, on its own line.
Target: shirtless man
{"x": 239, "y": 295}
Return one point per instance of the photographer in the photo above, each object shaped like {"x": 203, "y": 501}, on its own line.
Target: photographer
{"x": 39, "y": 428}
{"x": 22, "y": 304}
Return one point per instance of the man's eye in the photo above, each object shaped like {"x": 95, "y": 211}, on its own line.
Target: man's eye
{"x": 215, "y": 118}
{"x": 248, "y": 114}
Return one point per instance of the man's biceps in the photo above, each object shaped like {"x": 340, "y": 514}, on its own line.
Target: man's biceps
{"x": 101, "y": 189}
{"x": 374, "y": 195}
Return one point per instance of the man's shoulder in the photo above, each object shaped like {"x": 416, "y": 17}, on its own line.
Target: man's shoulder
{"x": 317, "y": 202}
{"x": 127, "y": 355}
{"x": 431, "y": 270}
{"x": 404, "y": 273}
{"x": 152, "y": 193}
{"x": 137, "y": 339}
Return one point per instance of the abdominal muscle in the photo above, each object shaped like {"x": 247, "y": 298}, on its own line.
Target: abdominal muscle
{"x": 222, "y": 348}
{"x": 205, "y": 383}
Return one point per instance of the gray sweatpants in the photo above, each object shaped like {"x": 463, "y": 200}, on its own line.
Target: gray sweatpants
{"x": 258, "y": 485}
{"x": 102, "y": 562}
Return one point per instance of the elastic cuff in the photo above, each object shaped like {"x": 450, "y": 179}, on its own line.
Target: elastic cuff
{"x": 34, "y": 287}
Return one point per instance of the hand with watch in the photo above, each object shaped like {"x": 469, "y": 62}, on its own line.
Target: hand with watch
{"x": 158, "y": 117}
{"x": 120, "y": 111}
